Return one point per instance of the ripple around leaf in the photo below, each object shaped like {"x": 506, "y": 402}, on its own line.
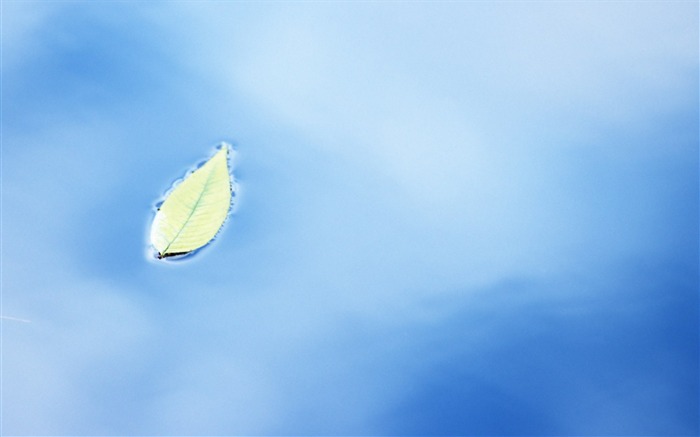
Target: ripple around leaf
{"x": 194, "y": 211}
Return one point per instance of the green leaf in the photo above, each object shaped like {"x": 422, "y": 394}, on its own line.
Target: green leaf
{"x": 194, "y": 211}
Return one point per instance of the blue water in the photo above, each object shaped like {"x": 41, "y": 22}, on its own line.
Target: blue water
{"x": 451, "y": 218}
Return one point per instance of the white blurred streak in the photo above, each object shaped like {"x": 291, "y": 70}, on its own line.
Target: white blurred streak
{"x": 81, "y": 341}
{"x": 15, "y": 319}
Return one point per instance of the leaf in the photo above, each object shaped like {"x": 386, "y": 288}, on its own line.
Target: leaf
{"x": 194, "y": 211}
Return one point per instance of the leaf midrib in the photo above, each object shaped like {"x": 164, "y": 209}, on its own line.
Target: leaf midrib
{"x": 194, "y": 208}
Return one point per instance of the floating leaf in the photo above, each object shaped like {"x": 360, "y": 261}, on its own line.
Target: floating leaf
{"x": 194, "y": 211}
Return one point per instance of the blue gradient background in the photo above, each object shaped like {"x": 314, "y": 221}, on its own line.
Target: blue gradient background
{"x": 454, "y": 218}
